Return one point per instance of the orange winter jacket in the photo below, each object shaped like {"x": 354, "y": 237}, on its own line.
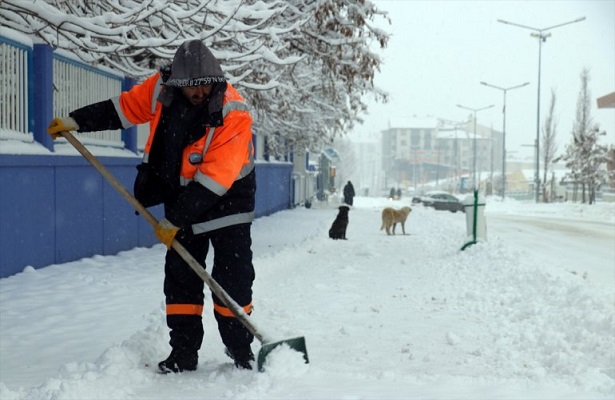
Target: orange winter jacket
{"x": 216, "y": 170}
{"x": 231, "y": 142}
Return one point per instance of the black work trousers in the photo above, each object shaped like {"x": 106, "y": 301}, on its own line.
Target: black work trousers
{"x": 183, "y": 288}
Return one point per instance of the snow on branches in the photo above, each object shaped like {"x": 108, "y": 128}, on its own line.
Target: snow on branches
{"x": 304, "y": 65}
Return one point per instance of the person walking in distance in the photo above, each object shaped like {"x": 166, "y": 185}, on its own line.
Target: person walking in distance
{"x": 198, "y": 162}
{"x": 349, "y": 193}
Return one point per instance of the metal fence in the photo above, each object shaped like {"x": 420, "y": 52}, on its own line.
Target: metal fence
{"x": 76, "y": 85}
{"x": 15, "y": 62}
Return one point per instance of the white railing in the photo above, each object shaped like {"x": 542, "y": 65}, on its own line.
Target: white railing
{"x": 77, "y": 85}
{"x": 14, "y": 90}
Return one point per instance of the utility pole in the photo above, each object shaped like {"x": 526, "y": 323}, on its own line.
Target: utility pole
{"x": 504, "y": 90}
{"x": 474, "y": 110}
{"x": 542, "y": 37}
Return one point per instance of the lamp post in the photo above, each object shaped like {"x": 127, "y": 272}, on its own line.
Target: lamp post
{"x": 542, "y": 37}
{"x": 504, "y": 90}
{"x": 455, "y": 125}
{"x": 474, "y": 110}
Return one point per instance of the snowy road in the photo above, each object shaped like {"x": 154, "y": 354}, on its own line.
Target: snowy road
{"x": 586, "y": 247}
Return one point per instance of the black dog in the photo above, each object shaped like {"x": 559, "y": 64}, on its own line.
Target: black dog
{"x": 338, "y": 228}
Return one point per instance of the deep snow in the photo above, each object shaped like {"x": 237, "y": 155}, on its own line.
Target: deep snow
{"x": 384, "y": 317}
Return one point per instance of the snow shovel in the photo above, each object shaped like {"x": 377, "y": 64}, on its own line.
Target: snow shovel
{"x": 267, "y": 345}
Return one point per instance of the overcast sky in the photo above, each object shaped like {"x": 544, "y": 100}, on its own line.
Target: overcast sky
{"x": 440, "y": 51}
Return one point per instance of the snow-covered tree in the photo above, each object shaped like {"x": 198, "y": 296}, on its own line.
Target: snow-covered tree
{"x": 549, "y": 147}
{"x": 137, "y": 37}
{"x": 305, "y": 66}
{"x": 584, "y": 156}
{"x": 322, "y": 95}
{"x": 610, "y": 166}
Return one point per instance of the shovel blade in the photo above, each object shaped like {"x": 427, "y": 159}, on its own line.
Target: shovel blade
{"x": 297, "y": 344}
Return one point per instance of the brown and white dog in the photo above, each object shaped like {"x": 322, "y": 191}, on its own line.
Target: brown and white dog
{"x": 391, "y": 217}
{"x": 338, "y": 228}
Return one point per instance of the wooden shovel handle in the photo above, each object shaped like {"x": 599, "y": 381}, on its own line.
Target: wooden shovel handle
{"x": 181, "y": 250}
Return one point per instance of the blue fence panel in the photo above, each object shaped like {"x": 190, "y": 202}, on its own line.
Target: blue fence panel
{"x": 55, "y": 209}
{"x": 273, "y": 187}
{"x": 42, "y": 113}
{"x": 27, "y": 218}
{"x": 120, "y": 224}
{"x": 78, "y": 208}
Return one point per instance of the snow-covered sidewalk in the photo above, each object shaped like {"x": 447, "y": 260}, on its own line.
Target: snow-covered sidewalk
{"x": 384, "y": 317}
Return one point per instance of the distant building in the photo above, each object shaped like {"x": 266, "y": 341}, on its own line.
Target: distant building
{"x": 416, "y": 151}
{"x": 368, "y": 178}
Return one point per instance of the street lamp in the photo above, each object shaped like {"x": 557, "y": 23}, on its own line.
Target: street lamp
{"x": 474, "y": 110}
{"x": 455, "y": 125}
{"x": 542, "y": 37}
{"x": 504, "y": 90}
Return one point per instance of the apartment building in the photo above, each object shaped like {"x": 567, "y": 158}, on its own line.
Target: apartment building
{"x": 416, "y": 151}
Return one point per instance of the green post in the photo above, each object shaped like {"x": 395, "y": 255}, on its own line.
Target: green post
{"x": 474, "y": 222}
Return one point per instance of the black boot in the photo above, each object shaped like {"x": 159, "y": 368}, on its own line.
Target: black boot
{"x": 241, "y": 355}
{"x": 179, "y": 361}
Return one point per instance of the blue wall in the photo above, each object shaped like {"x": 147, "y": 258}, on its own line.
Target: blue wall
{"x": 55, "y": 209}
{"x": 273, "y": 188}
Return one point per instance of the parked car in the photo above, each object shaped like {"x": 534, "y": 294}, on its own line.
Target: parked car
{"x": 440, "y": 201}
{"x": 418, "y": 198}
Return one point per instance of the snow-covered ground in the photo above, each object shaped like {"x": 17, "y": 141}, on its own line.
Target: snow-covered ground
{"x": 527, "y": 315}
